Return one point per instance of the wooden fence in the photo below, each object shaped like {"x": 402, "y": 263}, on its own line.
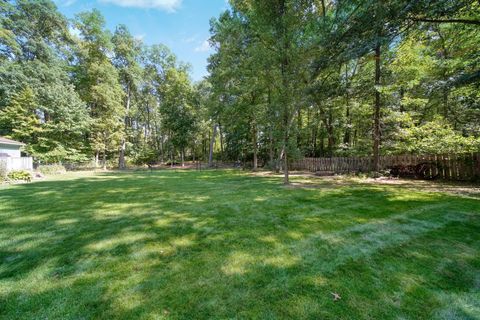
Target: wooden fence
{"x": 448, "y": 167}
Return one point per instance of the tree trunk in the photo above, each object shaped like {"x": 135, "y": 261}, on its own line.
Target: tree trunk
{"x": 204, "y": 147}
{"x": 327, "y": 122}
{"x": 162, "y": 156}
{"x": 322, "y": 145}
{"x": 221, "y": 140}
{"x": 286, "y": 137}
{"x": 331, "y": 134}
{"x": 376, "y": 114}
{"x": 212, "y": 144}
{"x": 299, "y": 127}
{"x": 104, "y": 160}
{"x": 121, "y": 157}
{"x": 285, "y": 91}
{"x": 348, "y": 136}
{"x": 182, "y": 155}
{"x": 286, "y": 180}
{"x": 255, "y": 147}
{"x": 123, "y": 144}
{"x": 97, "y": 158}
{"x": 147, "y": 126}
{"x": 271, "y": 151}
{"x": 270, "y": 147}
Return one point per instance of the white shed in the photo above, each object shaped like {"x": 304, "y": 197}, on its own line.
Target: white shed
{"x": 10, "y": 148}
{"x": 10, "y": 153}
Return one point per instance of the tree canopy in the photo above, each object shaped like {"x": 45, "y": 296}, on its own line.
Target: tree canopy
{"x": 288, "y": 79}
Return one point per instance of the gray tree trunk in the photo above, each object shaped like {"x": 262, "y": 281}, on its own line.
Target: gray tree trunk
{"x": 182, "y": 155}
{"x": 212, "y": 144}
{"x": 123, "y": 146}
{"x": 104, "y": 160}
{"x": 221, "y": 141}
{"x": 376, "y": 116}
{"x": 255, "y": 148}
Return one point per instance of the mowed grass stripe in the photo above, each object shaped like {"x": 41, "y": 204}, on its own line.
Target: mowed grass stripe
{"x": 224, "y": 244}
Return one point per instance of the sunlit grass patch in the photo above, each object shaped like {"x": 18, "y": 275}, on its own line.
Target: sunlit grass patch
{"x": 225, "y": 244}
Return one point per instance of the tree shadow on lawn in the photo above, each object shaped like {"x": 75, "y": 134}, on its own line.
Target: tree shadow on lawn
{"x": 223, "y": 245}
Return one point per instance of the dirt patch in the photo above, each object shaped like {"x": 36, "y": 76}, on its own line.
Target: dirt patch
{"x": 458, "y": 188}
{"x": 312, "y": 181}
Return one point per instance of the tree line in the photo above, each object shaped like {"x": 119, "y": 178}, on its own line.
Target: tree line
{"x": 294, "y": 78}
{"x": 288, "y": 79}
{"x": 73, "y": 91}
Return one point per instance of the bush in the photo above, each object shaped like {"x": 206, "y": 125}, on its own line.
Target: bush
{"x": 20, "y": 175}
{"x": 435, "y": 137}
{"x": 274, "y": 165}
{"x": 53, "y": 169}
{"x": 145, "y": 156}
{"x": 3, "y": 170}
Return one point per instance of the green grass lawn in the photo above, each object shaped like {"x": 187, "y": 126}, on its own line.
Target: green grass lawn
{"x": 227, "y": 245}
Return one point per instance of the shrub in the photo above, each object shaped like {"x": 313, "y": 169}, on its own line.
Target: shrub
{"x": 274, "y": 165}
{"x": 3, "y": 170}
{"x": 20, "y": 175}
{"x": 145, "y": 156}
{"x": 435, "y": 137}
{"x": 52, "y": 169}
{"x": 78, "y": 166}
{"x": 169, "y": 163}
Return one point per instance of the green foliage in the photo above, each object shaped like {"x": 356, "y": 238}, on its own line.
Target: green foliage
{"x": 145, "y": 156}
{"x": 19, "y": 175}
{"x": 435, "y": 137}
{"x": 20, "y": 120}
{"x": 52, "y": 135}
{"x": 98, "y": 82}
{"x": 35, "y": 83}
{"x": 287, "y": 79}
{"x": 177, "y": 110}
{"x": 303, "y": 74}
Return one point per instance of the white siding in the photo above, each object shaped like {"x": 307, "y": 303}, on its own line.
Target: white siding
{"x": 17, "y": 163}
{"x": 11, "y": 150}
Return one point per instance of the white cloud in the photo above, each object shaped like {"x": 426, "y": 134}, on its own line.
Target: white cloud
{"x": 167, "y": 5}
{"x": 140, "y": 37}
{"x": 189, "y": 39}
{"x": 204, "y": 47}
{"x": 65, "y": 3}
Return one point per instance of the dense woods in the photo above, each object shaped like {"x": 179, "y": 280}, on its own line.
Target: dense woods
{"x": 288, "y": 79}
{"x": 73, "y": 91}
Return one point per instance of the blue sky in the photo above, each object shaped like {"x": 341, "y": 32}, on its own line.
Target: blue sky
{"x": 182, "y": 25}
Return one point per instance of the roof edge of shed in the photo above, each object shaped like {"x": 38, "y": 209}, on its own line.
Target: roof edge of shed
{"x": 4, "y": 140}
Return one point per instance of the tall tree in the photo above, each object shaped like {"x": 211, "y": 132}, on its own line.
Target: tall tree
{"x": 177, "y": 110}
{"x": 35, "y": 58}
{"x": 127, "y": 55}
{"x": 98, "y": 83}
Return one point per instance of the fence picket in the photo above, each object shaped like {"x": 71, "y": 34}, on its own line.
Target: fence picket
{"x": 445, "y": 166}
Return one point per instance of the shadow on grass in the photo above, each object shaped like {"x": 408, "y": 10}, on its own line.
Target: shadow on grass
{"x": 224, "y": 245}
